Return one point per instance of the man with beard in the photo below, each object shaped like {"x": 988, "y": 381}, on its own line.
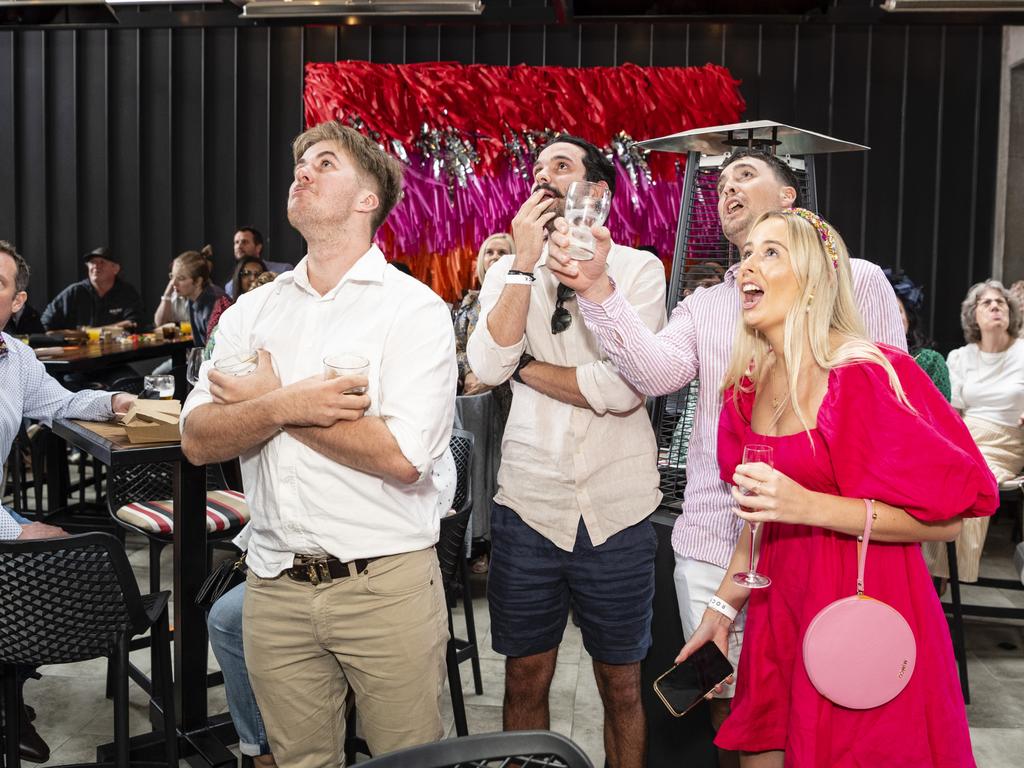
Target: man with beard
{"x": 578, "y": 475}
{"x": 344, "y": 588}
{"x": 697, "y": 344}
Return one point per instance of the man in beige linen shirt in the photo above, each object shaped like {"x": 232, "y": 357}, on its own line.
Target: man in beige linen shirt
{"x": 344, "y": 590}
{"x": 578, "y": 475}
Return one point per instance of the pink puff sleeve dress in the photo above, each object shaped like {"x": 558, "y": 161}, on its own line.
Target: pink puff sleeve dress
{"x": 866, "y": 444}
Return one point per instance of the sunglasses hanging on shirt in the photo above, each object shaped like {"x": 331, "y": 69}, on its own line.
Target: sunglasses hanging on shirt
{"x": 560, "y": 318}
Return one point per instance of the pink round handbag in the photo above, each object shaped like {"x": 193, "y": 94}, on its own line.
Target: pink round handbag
{"x": 859, "y": 652}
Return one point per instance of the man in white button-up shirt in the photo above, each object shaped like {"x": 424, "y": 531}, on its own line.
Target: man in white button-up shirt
{"x": 578, "y": 474}
{"x": 343, "y": 589}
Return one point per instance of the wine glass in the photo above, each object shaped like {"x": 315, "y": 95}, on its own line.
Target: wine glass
{"x": 586, "y": 205}
{"x": 753, "y": 454}
{"x": 193, "y": 362}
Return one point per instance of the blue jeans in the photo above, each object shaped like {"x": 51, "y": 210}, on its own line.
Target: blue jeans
{"x": 225, "y": 625}
{"x": 18, "y": 518}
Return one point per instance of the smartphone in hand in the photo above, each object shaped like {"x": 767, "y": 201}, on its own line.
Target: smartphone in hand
{"x": 687, "y": 683}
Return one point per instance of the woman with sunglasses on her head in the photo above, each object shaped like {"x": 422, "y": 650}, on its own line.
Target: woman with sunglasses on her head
{"x": 243, "y": 280}
{"x": 847, "y": 420}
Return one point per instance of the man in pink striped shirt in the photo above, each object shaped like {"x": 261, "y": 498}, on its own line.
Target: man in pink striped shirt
{"x": 697, "y": 344}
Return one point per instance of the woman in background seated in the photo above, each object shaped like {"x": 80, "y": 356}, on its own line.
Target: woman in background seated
{"x": 468, "y": 313}
{"x": 911, "y": 296}
{"x": 190, "y": 279}
{"x": 987, "y": 378}
{"x": 243, "y": 280}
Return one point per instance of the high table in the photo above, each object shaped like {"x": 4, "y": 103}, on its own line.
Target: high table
{"x": 105, "y": 354}
{"x": 93, "y": 357}
{"x": 190, "y": 637}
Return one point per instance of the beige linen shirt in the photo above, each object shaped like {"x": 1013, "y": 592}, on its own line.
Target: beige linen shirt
{"x": 560, "y": 462}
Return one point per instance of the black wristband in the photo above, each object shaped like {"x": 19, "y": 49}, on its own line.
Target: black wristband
{"x": 521, "y": 272}
{"x": 524, "y": 361}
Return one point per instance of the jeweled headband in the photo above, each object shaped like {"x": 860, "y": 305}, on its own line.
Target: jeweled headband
{"x": 825, "y": 232}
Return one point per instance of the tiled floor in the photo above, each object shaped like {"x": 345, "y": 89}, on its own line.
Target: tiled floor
{"x": 74, "y": 717}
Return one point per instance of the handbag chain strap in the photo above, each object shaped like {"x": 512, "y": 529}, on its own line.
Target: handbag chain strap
{"x": 862, "y": 545}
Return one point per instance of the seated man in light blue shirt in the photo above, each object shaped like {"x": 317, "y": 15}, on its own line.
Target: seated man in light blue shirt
{"x": 27, "y": 391}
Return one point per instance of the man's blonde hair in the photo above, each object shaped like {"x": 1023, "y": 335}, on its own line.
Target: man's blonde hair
{"x": 369, "y": 158}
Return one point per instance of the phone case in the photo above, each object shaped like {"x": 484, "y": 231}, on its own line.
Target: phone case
{"x": 708, "y": 686}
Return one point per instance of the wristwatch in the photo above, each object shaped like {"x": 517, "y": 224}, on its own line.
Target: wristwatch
{"x": 524, "y": 361}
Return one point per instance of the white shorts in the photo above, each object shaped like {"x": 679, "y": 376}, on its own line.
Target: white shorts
{"x": 696, "y": 582}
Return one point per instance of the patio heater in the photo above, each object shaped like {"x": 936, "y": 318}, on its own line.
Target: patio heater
{"x": 701, "y": 249}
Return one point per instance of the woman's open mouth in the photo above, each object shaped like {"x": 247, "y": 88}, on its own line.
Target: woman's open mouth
{"x": 751, "y": 295}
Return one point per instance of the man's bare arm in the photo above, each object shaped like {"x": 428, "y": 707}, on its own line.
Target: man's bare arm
{"x": 224, "y": 430}
{"x": 217, "y": 432}
{"x": 555, "y": 381}
{"x": 365, "y": 444}
{"x": 507, "y": 319}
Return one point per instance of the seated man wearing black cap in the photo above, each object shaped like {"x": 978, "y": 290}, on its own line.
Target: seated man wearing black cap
{"x": 101, "y": 299}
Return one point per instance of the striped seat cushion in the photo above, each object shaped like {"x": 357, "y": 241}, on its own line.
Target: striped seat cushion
{"x": 225, "y": 510}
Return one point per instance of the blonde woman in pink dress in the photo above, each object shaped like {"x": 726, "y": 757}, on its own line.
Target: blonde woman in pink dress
{"x": 847, "y": 420}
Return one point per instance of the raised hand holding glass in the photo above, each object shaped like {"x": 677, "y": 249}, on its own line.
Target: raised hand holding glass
{"x": 754, "y": 454}
{"x": 586, "y": 205}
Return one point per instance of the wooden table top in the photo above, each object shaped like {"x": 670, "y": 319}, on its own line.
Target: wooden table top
{"x": 100, "y": 354}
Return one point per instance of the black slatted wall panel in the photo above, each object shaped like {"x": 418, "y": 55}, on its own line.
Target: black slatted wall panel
{"x": 159, "y": 140}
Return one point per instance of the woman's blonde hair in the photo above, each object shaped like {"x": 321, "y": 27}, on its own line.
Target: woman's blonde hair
{"x": 480, "y": 268}
{"x": 826, "y": 305}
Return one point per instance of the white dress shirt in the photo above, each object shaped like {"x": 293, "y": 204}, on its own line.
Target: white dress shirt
{"x": 301, "y": 501}
{"x": 560, "y": 462}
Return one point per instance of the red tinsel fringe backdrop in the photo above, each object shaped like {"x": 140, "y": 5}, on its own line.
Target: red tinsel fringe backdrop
{"x": 468, "y": 135}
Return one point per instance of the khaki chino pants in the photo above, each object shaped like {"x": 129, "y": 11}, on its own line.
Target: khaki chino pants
{"x": 382, "y": 633}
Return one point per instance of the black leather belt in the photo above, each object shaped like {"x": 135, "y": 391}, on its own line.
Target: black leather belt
{"x": 318, "y": 569}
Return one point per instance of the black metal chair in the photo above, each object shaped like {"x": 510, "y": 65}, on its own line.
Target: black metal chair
{"x": 527, "y": 749}
{"x": 1011, "y": 498}
{"x": 463, "y": 446}
{"x": 451, "y": 554}
{"x": 133, "y": 385}
{"x": 18, "y": 466}
{"x": 71, "y": 599}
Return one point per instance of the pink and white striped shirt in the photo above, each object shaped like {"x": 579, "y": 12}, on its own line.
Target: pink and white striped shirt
{"x": 697, "y": 343}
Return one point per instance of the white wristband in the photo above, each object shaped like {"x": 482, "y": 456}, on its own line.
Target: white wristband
{"x": 518, "y": 280}
{"x": 715, "y": 603}
{"x": 166, "y": 298}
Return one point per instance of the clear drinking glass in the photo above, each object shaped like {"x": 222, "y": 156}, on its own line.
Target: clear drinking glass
{"x": 238, "y": 365}
{"x": 753, "y": 454}
{"x": 163, "y": 386}
{"x": 193, "y": 362}
{"x": 347, "y": 364}
{"x": 586, "y": 206}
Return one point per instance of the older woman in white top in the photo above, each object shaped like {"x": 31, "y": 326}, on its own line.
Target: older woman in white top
{"x": 987, "y": 381}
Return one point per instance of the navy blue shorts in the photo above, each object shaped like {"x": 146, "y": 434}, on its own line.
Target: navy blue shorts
{"x": 531, "y": 584}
